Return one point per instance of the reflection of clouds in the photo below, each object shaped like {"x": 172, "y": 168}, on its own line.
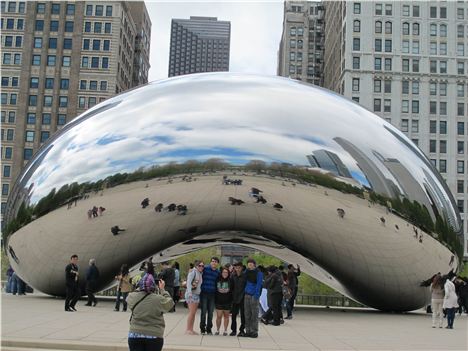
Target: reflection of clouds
{"x": 234, "y": 117}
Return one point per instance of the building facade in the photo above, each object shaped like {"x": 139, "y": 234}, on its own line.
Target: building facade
{"x": 199, "y": 44}
{"x": 407, "y": 62}
{"x": 58, "y": 60}
{"x": 301, "y": 51}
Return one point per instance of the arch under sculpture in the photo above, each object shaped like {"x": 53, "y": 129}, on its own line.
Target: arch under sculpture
{"x": 347, "y": 195}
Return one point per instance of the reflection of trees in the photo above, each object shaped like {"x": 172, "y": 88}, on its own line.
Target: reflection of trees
{"x": 413, "y": 212}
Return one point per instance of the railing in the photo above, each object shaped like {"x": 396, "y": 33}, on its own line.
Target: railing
{"x": 326, "y": 300}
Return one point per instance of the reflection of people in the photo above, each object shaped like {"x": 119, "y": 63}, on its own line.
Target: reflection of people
{"x": 72, "y": 284}
{"x": 147, "y": 324}
{"x": 92, "y": 277}
{"x": 115, "y": 230}
{"x": 145, "y": 203}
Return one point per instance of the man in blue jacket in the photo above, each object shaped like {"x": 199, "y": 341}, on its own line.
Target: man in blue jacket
{"x": 253, "y": 290}
{"x": 207, "y": 296}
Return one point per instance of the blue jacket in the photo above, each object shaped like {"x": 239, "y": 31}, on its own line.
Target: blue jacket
{"x": 255, "y": 289}
{"x": 209, "y": 280}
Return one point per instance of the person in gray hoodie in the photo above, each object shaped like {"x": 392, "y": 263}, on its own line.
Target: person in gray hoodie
{"x": 147, "y": 319}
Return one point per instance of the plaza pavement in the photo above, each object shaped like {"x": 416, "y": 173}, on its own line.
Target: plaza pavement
{"x": 38, "y": 322}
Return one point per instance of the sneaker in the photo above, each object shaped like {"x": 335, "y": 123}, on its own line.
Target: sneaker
{"x": 264, "y": 321}
{"x": 253, "y": 335}
{"x": 68, "y": 310}
{"x": 87, "y": 304}
{"x": 241, "y": 334}
{"x": 95, "y": 303}
{"x": 233, "y": 333}
{"x": 73, "y": 308}
{"x": 288, "y": 317}
{"x": 433, "y": 326}
{"x": 225, "y": 334}
{"x": 217, "y": 333}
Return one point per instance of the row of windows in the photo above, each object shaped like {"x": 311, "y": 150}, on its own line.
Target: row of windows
{"x": 48, "y": 101}
{"x": 98, "y": 27}
{"x": 443, "y": 108}
{"x": 7, "y": 59}
{"x": 54, "y": 26}
{"x": 98, "y": 10}
{"x": 49, "y": 83}
{"x": 93, "y": 85}
{"x": 7, "y": 134}
{"x": 30, "y": 136}
{"x": 67, "y": 43}
{"x": 94, "y": 62}
{"x": 293, "y": 31}
{"x": 443, "y": 146}
{"x": 8, "y": 40}
{"x": 12, "y": 8}
{"x": 92, "y": 100}
{"x": 96, "y": 44}
{"x": 11, "y": 117}
{"x": 443, "y": 166}
{"x": 46, "y": 119}
{"x": 51, "y": 60}
{"x": 10, "y": 23}
{"x": 10, "y": 81}
{"x": 55, "y": 9}
{"x": 9, "y": 99}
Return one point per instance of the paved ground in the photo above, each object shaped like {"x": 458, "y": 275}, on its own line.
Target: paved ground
{"x": 39, "y": 321}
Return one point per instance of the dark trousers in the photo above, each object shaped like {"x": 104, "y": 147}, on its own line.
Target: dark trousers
{"x": 176, "y": 296}
{"x": 207, "y": 301}
{"x": 290, "y": 305}
{"x": 90, "y": 287}
{"x": 73, "y": 294}
{"x": 451, "y": 316}
{"x": 236, "y": 309}
{"x": 141, "y": 344}
{"x": 122, "y": 295}
{"x": 274, "y": 312}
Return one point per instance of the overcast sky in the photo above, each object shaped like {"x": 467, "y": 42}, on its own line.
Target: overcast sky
{"x": 256, "y": 28}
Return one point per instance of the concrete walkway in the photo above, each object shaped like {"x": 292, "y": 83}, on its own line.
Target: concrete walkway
{"x": 39, "y": 322}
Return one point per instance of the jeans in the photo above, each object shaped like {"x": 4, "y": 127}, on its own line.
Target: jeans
{"x": 251, "y": 314}
{"x": 207, "y": 301}
{"x": 290, "y": 305}
{"x": 437, "y": 313}
{"x": 236, "y": 309}
{"x": 450, "y": 316}
{"x": 124, "y": 300}
{"x": 17, "y": 285}
{"x": 142, "y": 344}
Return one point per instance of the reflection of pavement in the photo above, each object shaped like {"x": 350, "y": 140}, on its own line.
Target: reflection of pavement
{"x": 41, "y": 320}
{"x": 358, "y": 250}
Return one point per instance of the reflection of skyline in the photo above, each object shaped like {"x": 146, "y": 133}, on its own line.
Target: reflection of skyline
{"x": 328, "y": 161}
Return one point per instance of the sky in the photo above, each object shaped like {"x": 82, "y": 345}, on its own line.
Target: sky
{"x": 256, "y": 28}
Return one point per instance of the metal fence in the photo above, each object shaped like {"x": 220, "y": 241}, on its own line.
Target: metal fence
{"x": 326, "y": 300}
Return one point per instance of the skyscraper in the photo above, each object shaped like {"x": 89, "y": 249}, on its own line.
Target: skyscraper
{"x": 59, "y": 59}
{"x": 199, "y": 44}
{"x": 300, "y": 55}
{"x": 407, "y": 61}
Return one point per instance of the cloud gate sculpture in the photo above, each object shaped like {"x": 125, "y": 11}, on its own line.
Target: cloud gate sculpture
{"x": 271, "y": 163}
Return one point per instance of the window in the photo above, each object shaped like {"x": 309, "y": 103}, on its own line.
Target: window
{"x": 405, "y": 87}
{"x": 387, "y": 86}
{"x": 415, "y": 89}
{"x": 37, "y": 43}
{"x": 415, "y": 65}
{"x": 61, "y": 120}
{"x": 10, "y": 134}
{"x": 460, "y": 109}
{"x": 443, "y": 49}
{"x": 46, "y": 118}
{"x": 357, "y": 8}
{"x": 378, "y": 9}
{"x": 405, "y": 106}
{"x": 91, "y": 101}
{"x": 443, "y": 12}
{"x": 300, "y": 31}
{"x": 443, "y": 146}
{"x": 55, "y": 9}
{"x": 355, "y": 84}
{"x": 461, "y": 67}
{"x": 6, "y": 171}
{"x": 404, "y": 125}
{"x": 405, "y": 28}
{"x": 356, "y": 26}
{"x": 378, "y": 64}
{"x": 105, "y": 62}
{"x": 70, "y": 9}
{"x": 405, "y": 46}
{"x": 433, "y": 127}
{"x": 69, "y": 26}
{"x": 6, "y": 187}
{"x": 97, "y": 27}
{"x": 52, "y": 43}
{"x": 460, "y": 167}
{"x": 460, "y": 49}
{"x": 47, "y": 101}
{"x": 443, "y": 66}
{"x": 13, "y": 99}
{"x": 460, "y": 186}
{"x": 81, "y": 102}
{"x": 89, "y": 10}
{"x": 49, "y": 83}
{"x": 107, "y": 28}
{"x": 10, "y": 23}
{"x": 460, "y": 205}
{"x": 377, "y": 105}
{"x": 67, "y": 43}
{"x": 99, "y": 10}
{"x": 87, "y": 27}
{"x": 443, "y": 108}
{"x": 388, "y": 27}
{"x": 85, "y": 61}
{"x": 21, "y": 7}
{"x": 5, "y": 81}
{"x": 443, "y": 89}
{"x": 433, "y": 107}
{"x": 39, "y": 25}
{"x": 388, "y": 9}
{"x": 443, "y": 127}
{"x": 387, "y": 105}
{"x": 8, "y": 153}
{"x": 106, "y": 45}
{"x": 8, "y": 41}
{"x": 460, "y": 90}
{"x": 433, "y": 66}
{"x": 27, "y": 154}
{"x": 415, "y": 28}
{"x": 29, "y": 136}
{"x": 54, "y": 26}
{"x": 414, "y": 126}
{"x": 18, "y": 41}
{"x": 32, "y": 100}
{"x": 460, "y": 31}
{"x": 405, "y": 65}
{"x": 85, "y": 44}
{"x": 292, "y": 31}
{"x": 66, "y": 61}
{"x": 415, "y": 106}
{"x": 406, "y": 10}
{"x": 4, "y": 98}
{"x": 415, "y": 47}
{"x": 31, "y": 118}
{"x": 432, "y": 146}
{"x": 356, "y": 62}
{"x": 40, "y": 8}
{"x": 14, "y": 81}
{"x": 83, "y": 84}
{"x": 378, "y": 45}
{"x": 63, "y": 101}
{"x": 460, "y": 147}
{"x": 442, "y": 166}
{"x": 460, "y": 128}
{"x": 433, "y": 29}
{"x": 356, "y": 44}
{"x": 292, "y": 56}
{"x": 108, "y": 11}
{"x": 64, "y": 84}
{"x": 92, "y": 85}
{"x": 103, "y": 85}
{"x": 51, "y": 60}
{"x": 388, "y": 64}
{"x": 443, "y": 30}
{"x": 44, "y": 136}
{"x": 388, "y": 45}
{"x": 377, "y": 86}
{"x": 378, "y": 27}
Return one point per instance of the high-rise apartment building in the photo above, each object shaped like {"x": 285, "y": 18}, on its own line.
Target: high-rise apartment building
{"x": 301, "y": 51}
{"x": 59, "y": 59}
{"x": 199, "y": 44}
{"x": 408, "y": 62}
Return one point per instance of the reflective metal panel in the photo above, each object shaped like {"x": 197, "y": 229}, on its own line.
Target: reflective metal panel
{"x": 264, "y": 161}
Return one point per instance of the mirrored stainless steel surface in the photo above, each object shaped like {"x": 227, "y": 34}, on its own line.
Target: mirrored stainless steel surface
{"x": 340, "y": 189}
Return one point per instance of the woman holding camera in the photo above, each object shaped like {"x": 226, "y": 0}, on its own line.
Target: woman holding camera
{"x": 192, "y": 294}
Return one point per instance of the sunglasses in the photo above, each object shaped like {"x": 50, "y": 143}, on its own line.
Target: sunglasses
{"x": 201, "y": 265}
